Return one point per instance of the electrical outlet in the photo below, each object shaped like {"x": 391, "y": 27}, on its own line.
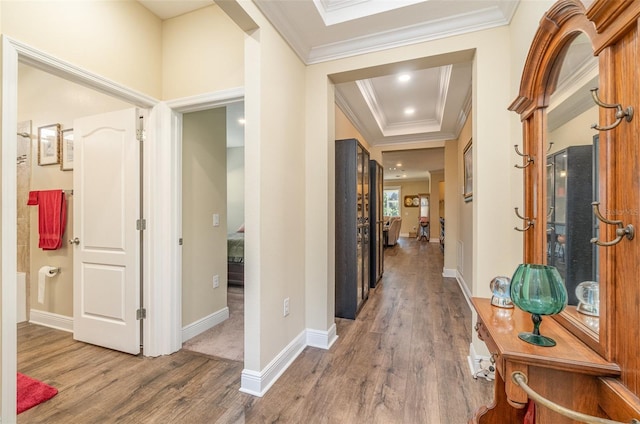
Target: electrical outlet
{"x": 286, "y": 306}
{"x": 216, "y": 281}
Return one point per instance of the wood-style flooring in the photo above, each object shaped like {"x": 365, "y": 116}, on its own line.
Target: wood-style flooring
{"x": 403, "y": 360}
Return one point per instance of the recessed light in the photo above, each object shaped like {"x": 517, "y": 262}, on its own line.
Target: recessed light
{"x": 404, "y": 77}
{"x": 398, "y": 164}
{"x": 409, "y": 111}
{"x": 404, "y": 176}
{"x": 241, "y": 121}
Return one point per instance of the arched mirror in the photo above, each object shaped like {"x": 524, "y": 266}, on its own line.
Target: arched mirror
{"x": 562, "y": 174}
{"x": 571, "y": 175}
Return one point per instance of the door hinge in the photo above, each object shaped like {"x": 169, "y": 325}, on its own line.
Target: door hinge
{"x": 141, "y": 224}
{"x": 141, "y": 314}
{"x": 180, "y": 241}
{"x": 141, "y": 135}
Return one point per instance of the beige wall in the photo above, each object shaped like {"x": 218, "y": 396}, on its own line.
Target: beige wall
{"x": 409, "y": 214}
{"x": 452, "y": 206}
{"x": 84, "y": 33}
{"x": 345, "y": 129}
{"x": 275, "y": 193}
{"x": 202, "y": 52}
{"x": 235, "y": 188}
{"x": 46, "y": 99}
{"x": 492, "y": 150}
{"x": 204, "y": 193}
{"x": 464, "y": 243}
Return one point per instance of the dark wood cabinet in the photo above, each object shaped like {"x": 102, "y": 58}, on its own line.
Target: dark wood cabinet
{"x": 376, "y": 222}
{"x": 352, "y": 227}
{"x": 570, "y": 221}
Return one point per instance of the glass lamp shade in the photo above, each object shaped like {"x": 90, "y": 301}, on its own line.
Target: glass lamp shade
{"x": 539, "y": 290}
{"x": 500, "y": 292}
{"x": 588, "y": 294}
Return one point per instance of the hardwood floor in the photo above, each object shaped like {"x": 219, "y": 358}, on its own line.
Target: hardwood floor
{"x": 403, "y": 360}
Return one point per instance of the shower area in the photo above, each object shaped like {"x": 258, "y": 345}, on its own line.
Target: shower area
{"x": 23, "y": 226}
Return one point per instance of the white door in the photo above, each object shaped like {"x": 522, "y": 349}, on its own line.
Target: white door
{"x": 106, "y": 206}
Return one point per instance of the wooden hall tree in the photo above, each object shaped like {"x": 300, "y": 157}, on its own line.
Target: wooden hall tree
{"x": 591, "y": 371}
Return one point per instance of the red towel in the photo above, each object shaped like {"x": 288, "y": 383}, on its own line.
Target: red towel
{"x": 52, "y": 217}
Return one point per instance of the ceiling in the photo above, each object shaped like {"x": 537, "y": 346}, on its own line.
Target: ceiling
{"x": 439, "y": 90}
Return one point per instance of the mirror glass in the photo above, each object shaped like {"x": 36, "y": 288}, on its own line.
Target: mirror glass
{"x": 572, "y": 182}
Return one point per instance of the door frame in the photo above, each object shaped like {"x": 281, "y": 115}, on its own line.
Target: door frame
{"x": 13, "y": 52}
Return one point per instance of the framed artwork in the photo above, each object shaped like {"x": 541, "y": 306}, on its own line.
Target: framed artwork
{"x": 468, "y": 172}
{"x": 49, "y": 144}
{"x": 66, "y": 150}
{"x": 412, "y": 201}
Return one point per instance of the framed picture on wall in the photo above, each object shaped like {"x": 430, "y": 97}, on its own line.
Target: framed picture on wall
{"x": 66, "y": 150}
{"x": 468, "y": 172}
{"x": 49, "y": 144}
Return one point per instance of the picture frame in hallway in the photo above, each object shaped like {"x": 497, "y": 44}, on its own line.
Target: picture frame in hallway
{"x": 49, "y": 144}
{"x": 468, "y": 172}
{"x": 66, "y": 150}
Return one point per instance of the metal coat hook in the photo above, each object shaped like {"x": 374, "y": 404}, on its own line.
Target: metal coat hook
{"x": 529, "y": 159}
{"x": 529, "y": 222}
{"x": 620, "y": 113}
{"x": 622, "y": 230}
{"x": 550, "y": 212}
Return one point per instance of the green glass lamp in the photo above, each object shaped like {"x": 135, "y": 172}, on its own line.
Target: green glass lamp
{"x": 539, "y": 290}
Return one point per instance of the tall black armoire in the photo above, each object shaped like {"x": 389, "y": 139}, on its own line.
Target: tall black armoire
{"x": 352, "y": 227}
{"x": 376, "y": 222}
{"x": 570, "y": 221}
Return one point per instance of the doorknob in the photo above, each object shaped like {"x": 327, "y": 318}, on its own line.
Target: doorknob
{"x": 74, "y": 241}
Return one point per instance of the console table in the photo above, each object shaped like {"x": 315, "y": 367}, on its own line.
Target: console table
{"x": 556, "y": 373}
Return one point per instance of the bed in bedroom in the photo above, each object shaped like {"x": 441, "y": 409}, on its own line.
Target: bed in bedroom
{"x": 235, "y": 258}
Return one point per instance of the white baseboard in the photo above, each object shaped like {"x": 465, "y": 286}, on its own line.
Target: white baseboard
{"x": 449, "y": 273}
{"x": 465, "y": 289}
{"x": 49, "y": 319}
{"x": 257, "y": 383}
{"x": 204, "y": 324}
{"x": 322, "y": 339}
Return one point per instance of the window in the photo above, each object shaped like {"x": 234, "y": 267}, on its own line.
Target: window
{"x": 391, "y": 201}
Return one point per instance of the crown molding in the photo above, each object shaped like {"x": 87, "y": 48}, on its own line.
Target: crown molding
{"x": 427, "y": 31}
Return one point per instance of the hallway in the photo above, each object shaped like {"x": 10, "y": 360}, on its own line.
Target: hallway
{"x": 403, "y": 360}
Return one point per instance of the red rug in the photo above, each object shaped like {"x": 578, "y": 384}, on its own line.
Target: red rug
{"x": 32, "y": 392}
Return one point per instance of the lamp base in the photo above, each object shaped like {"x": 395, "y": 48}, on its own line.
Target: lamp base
{"x": 537, "y": 339}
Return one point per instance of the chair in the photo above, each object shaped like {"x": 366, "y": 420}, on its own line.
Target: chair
{"x": 394, "y": 231}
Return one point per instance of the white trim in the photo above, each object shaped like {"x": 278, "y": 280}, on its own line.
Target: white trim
{"x": 207, "y": 100}
{"x": 257, "y": 383}
{"x": 449, "y": 273}
{"x": 322, "y": 339}
{"x": 465, "y": 289}
{"x": 162, "y": 262}
{"x": 9, "y": 231}
{"x": 202, "y": 325}
{"x": 51, "y": 320}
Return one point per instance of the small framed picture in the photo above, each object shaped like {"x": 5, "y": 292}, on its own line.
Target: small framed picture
{"x": 468, "y": 172}
{"x": 66, "y": 150}
{"x": 49, "y": 144}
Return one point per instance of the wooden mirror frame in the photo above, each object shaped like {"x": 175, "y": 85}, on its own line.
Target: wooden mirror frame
{"x": 558, "y": 28}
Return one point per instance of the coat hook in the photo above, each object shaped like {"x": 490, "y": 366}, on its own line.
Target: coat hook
{"x": 620, "y": 113}
{"x": 550, "y": 212}
{"x": 529, "y": 222}
{"x": 621, "y": 231}
{"x": 528, "y": 157}
{"x": 550, "y": 146}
